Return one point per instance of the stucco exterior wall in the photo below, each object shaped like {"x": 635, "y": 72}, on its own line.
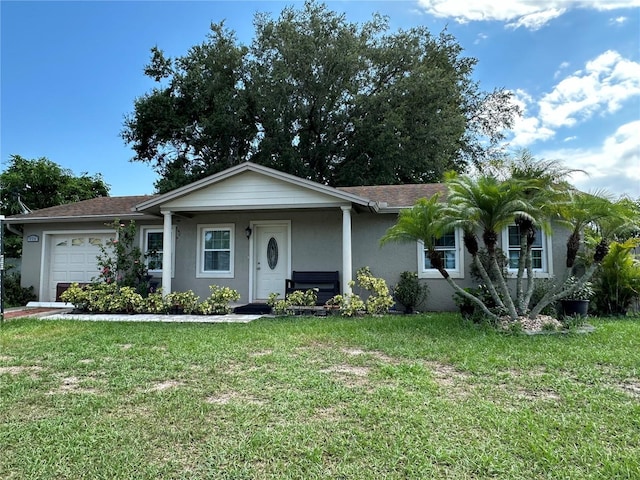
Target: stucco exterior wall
{"x": 316, "y": 244}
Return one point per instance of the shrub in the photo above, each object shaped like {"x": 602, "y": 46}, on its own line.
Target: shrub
{"x": 298, "y": 298}
{"x": 540, "y": 289}
{"x": 410, "y": 292}
{"x": 350, "y": 305}
{"x": 617, "y": 285}
{"x": 76, "y": 295}
{"x": 218, "y": 302}
{"x": 154, "y": 303}
{"x": 15, "y": 295}
{"x": 471, "y": 310}
{"x": 128, "y": 300}
{"x": 186, "y": 302}
{"x": 379, "y": 300}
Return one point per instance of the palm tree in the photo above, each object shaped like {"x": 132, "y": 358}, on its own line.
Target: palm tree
{"x": 427, "y": 222}
{"x": 488, "y": 205}
{"x": 529, "y": 196}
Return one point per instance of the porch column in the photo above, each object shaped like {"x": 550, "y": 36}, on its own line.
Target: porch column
{"x": 167, "y": 252}
{"x": 346, "y": 249}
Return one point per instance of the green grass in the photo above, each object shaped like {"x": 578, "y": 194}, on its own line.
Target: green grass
{"x": 425, "y": 396}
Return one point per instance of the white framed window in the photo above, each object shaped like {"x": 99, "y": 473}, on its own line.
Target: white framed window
{"x": 449, "y": 247}
{"x": 540, "y": 251}
{"x": 215, "y": 251}
{"x": 153, "y": 249}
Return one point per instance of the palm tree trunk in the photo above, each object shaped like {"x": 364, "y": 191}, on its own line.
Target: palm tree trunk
{"x": 487, "y": 280}
{"x": 558, "y": 294}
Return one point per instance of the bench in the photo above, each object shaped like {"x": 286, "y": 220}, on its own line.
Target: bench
{"x": 326, "y": 284}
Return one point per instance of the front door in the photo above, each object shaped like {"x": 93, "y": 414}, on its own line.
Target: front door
{"x": 270, "y": 259}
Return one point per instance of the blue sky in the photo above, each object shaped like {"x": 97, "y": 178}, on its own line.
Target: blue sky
{"x": 70, "y": 72}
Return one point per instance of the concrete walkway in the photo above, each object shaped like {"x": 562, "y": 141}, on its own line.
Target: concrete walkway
{"x": 102, "y": 317}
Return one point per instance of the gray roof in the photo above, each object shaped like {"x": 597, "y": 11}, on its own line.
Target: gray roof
{"x": 387, "y": 198}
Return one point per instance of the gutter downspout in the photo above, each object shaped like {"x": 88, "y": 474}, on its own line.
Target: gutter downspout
{"x": 13, "y": 229}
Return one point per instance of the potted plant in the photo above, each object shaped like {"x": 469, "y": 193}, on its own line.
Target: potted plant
{"x": 577, "y": 302}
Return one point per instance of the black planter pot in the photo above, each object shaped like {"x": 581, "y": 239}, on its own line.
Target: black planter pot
{"x": 572, "y": 308}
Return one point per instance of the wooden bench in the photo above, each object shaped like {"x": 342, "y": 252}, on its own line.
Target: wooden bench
{"x": 326, "y": 284}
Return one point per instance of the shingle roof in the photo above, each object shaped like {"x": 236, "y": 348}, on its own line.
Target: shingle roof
{"x": 397, "y": 196}
{"x": 388, "y": 196}
{"x": 120, "y": 207}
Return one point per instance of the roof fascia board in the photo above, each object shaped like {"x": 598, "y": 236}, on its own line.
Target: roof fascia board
{"x": 80, "y": 218}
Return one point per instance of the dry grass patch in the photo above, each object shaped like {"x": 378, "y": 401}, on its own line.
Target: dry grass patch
{"x": 232, "y": 397}
{"x": 166, "y": 385}
{"x": 72, "y": 384}
{"x": 18, "y": 369}
{"x": 631, "y": 387}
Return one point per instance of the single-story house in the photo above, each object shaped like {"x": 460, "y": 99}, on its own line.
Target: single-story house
{"x": 249, "y": 227}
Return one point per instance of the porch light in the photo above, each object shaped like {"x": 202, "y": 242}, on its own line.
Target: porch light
{"x": 247, "y": 231}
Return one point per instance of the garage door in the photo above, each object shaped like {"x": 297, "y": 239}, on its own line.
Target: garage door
{"x": 74, "y": 258}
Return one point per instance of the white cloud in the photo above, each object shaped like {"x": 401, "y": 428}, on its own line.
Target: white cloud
{"x": 481, "y": 37}
{"x": 604, "y": 84}
{"x": 563, "y": 66}
{"x": 618, "y": 20}
{"x": 600, "y": 88}
{"x": 537, "y": 20}
{"x": 516, "y": 13}
{"x": 614, "y": 166}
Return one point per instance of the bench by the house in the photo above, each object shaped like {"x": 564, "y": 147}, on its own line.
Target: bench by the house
{"x": 327, "y": 284}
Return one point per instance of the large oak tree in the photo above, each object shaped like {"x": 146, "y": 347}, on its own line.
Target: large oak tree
{"x": 319, "y": 97}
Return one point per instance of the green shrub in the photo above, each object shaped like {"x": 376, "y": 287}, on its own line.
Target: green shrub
{"x": 410, "y": 292}
{"x": 379, "y": 300}
{"x": 186, "y": 302}
{"x": 349, "y": 305}
{"x": 540, "y": 289}
{"x": 218, "y": 302}
{"x": 298, "y": 298}
{"x": 15, "y": 295}
{"x": 154, "y": 303}
{"x": 617, "y": 285}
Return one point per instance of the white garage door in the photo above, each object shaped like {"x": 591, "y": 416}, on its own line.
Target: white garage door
{"x": 74, "y": 258}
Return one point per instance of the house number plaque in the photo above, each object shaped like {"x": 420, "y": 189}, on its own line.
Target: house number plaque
{"x": 272, "y": 253}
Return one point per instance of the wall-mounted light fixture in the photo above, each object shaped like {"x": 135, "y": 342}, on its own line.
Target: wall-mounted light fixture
{"x": 247, "y": 231}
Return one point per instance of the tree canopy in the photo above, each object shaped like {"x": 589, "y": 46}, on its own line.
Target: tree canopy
{"x": 41, "y": 183}
{"x": 319, "y": 97}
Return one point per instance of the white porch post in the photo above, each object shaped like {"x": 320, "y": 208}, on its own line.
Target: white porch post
{"x": 167, "y": 252}
{"x": 346, "y": 249}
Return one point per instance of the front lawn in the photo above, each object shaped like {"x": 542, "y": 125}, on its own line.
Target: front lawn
{"x": 424, "y": 396}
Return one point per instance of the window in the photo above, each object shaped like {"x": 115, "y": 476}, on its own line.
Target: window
{"x": 153, "y": 240}
{"x": 153, "y": 249}
{"x": 511, "y": 239}
{"x": 215, "y": 251}
{"x": 449, "y": 248}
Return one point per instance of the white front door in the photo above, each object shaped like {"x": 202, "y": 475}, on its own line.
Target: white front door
{"x": 270, "y": 260}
